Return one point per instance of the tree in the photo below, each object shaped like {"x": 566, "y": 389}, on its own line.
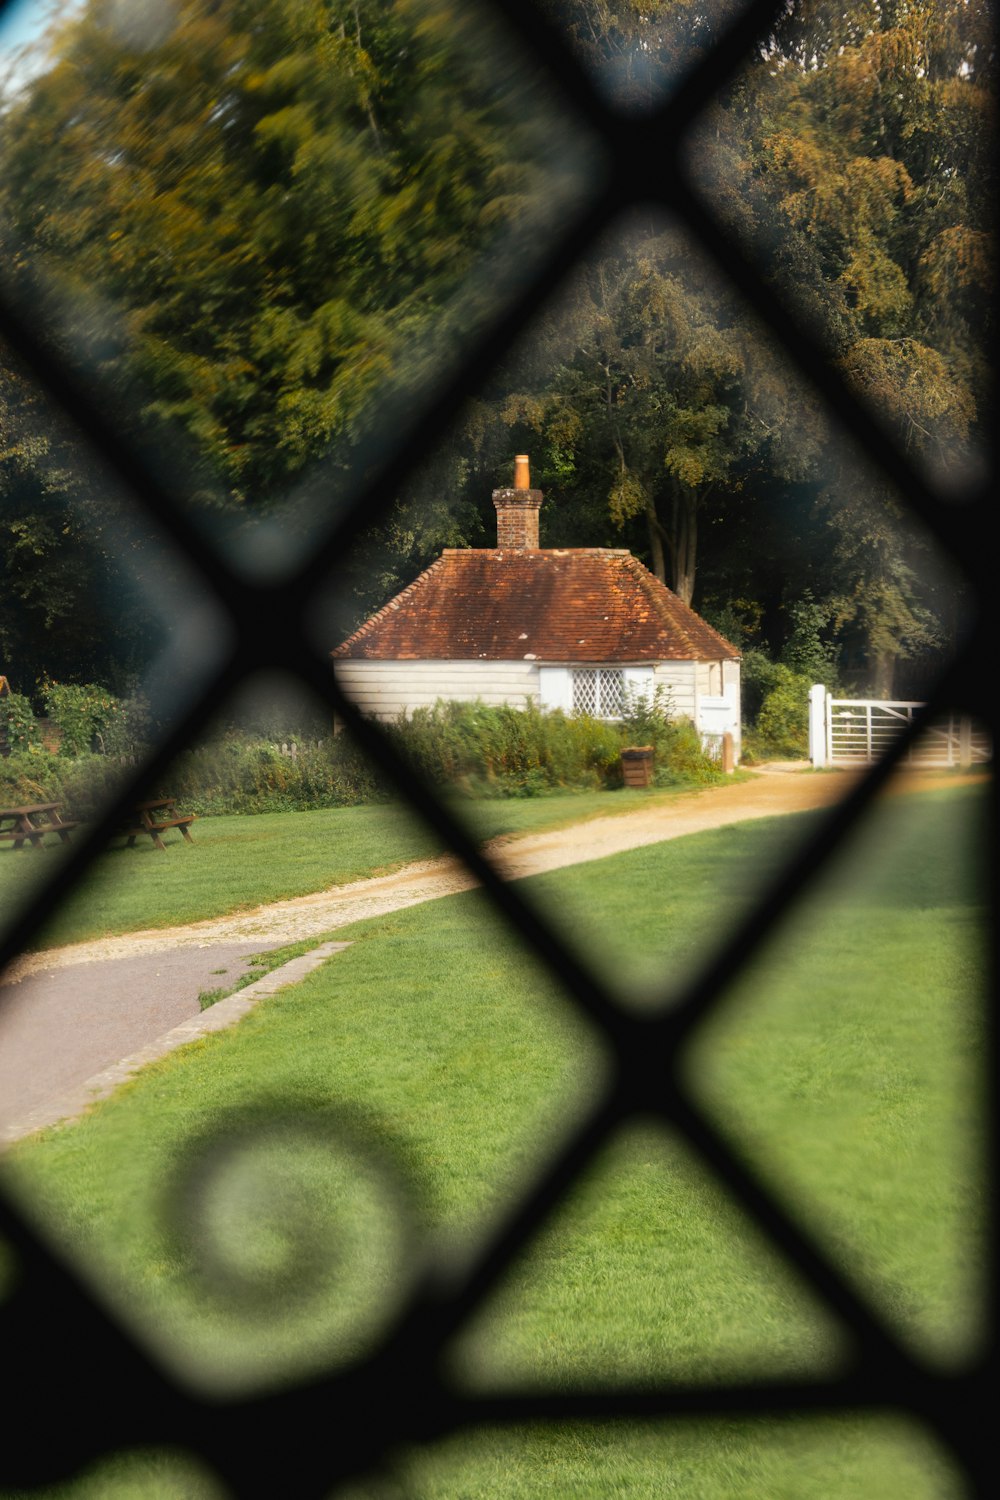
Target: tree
{"x": 855, "y": 160}
{"x": 267, "y": 214}
{"x": 862, "y": 146}
{"x": 74, "y": 605}
{"x": 653, "y": 389}
{"x": 636, "y": 49}
{"x": 273, "y": 216}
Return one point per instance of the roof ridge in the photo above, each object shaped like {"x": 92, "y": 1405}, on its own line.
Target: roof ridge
{"x": 538, "y": 551}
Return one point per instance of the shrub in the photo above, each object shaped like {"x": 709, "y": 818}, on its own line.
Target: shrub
{"x": 236, "y": 775}
{"x": 807, "y": 651}
{"x": 87, "y": 715}
{"x": 483, "y": 751}
{"x": 19, "y": 729}
{"x": 83, "y": 785}
{"x": 679, "y": 756}
{"x": 229, "y": 777}
{"x": 782, "y": 726}
{"x": 129, "y": 730}
{"x": 514, "y": 752}
{"x": 506, "y": 751}
{"x": 775, "y": 694}
{"x": 758, "y": 676}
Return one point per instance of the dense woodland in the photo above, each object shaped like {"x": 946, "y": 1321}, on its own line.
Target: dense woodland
{"x": 264, "y": 226}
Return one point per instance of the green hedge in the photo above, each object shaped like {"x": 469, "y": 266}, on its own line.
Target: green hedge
{"x": 491, "y": 752}
{"x": 241, "y": 776}
{"x": 775, "y": 708}
{"x": 515, "y": 752}
{"x": 83, "y": 784}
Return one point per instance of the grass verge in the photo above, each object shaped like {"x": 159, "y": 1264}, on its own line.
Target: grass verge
{"x": 259, "y": 964}
{"x": 238, "y": 863}
{"x": 847, "y": 1066}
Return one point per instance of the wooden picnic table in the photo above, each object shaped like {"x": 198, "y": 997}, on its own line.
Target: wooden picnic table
{"x": 154, "y": 818}
{"x": 31, "y": 824}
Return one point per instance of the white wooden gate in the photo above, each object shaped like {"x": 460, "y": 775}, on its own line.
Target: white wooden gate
{"x": 857, "y": 731}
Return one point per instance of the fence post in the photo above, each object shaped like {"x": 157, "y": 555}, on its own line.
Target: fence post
{"x": 817, "y": 724}
{"x": 965, "y": 742}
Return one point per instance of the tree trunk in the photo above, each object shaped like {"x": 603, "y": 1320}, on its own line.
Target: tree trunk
{"x": 685, "y": 548}
{"x": 885, "y": 673}
{"x": 657, "y": 558}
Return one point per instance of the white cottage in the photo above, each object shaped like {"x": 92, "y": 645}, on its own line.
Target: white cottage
{"x": 576, "y": 628}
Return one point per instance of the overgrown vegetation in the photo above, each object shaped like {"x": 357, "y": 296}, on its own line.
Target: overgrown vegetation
{"x": 82, "y": 784}
{"x": 776, "y": 709}
{"x": 491, "y": 752}
{"x": 79, "y": 719}
{"x": 513, "y": 752}
{"x": 775, "y": 691}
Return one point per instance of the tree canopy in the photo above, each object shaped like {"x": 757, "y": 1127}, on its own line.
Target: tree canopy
{"x": 262, "y": 220}
{"x": 262, "y": 213}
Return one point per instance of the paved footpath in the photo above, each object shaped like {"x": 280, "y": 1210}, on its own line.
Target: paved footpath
{"x": 75, "y": 1021}
{"x": 71, "y": 1034}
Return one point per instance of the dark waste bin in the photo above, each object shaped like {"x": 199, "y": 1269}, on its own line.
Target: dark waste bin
{"x": 637, "y": 765}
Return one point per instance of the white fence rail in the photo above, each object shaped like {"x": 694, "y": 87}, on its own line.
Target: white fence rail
{"x": 857, "y": 731}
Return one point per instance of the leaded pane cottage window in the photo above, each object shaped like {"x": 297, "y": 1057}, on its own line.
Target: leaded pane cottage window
{"x": 599, "y": 692}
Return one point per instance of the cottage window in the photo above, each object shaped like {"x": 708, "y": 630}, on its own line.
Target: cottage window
{"x": 599, "y": 691}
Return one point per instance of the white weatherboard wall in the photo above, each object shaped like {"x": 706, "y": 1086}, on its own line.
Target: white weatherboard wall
{"x": 676, "y": 678}
{"x": 679, "y": 681}
{"x": 386, "y": 689}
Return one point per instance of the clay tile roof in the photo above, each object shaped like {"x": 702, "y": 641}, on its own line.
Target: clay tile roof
{"x": 576, "y": 605}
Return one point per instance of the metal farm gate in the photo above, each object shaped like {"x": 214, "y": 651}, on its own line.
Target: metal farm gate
{"x": 82, "y": 1385}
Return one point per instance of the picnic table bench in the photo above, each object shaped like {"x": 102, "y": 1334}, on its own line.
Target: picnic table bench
{"x": 31, "y": 824}
{"x": 154, "y": 818}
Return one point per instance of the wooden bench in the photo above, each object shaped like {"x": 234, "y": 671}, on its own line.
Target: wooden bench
{"x": 154, "y": 818}
{"x": 31, "y": 824}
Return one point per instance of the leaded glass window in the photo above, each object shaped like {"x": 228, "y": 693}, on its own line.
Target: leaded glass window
{"x": 599, "y": 691}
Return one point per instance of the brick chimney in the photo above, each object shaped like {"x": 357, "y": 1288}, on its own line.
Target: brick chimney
{"x": 517, "y": 509}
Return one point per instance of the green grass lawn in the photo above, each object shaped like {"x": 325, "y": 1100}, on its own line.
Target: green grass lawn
{"x": 847, "y": 1066}
{"x": 240, "y": 862}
